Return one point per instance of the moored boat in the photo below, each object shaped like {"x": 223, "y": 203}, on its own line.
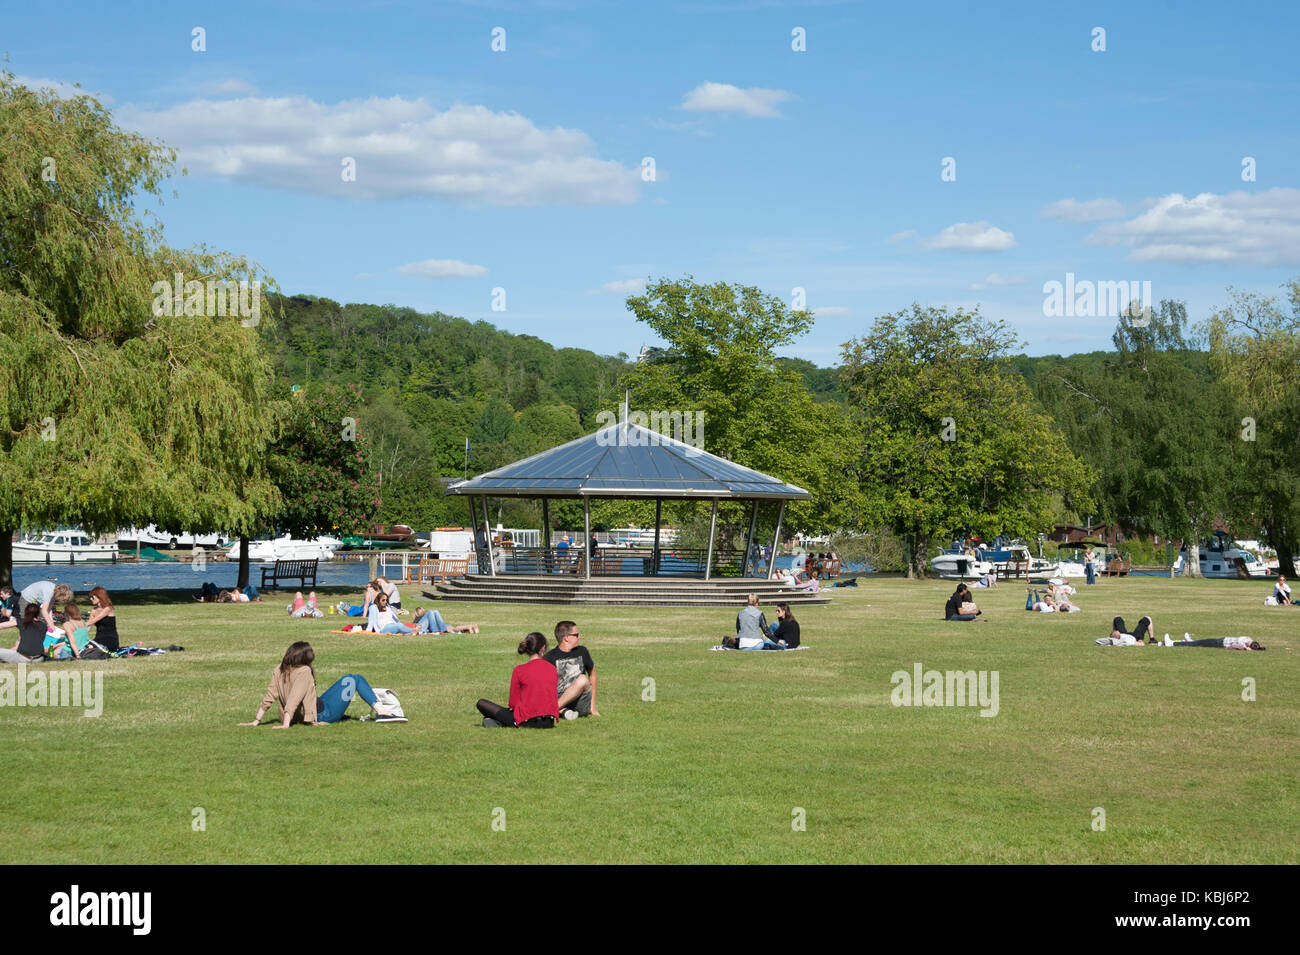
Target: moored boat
{"x": 65, "y": 546}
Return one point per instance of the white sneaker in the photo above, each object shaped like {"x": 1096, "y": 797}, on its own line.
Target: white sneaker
{"x": 1187, "y": 638}
{"x": 569, "y": 714}
{"x": 1168, "y": 642}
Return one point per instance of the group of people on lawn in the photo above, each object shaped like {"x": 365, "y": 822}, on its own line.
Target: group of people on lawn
{"x": 50, "y": 625}
{"x": 551, "y": 685}
{"x": 383, "y": 605}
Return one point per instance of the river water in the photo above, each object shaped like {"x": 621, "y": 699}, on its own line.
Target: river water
{"x": 182, "y": 575}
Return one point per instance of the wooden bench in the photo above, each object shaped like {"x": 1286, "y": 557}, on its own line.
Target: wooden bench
{"x": 436, "y": 569}
{"x": 1117, "y": 568}
{"x": 1012, "y": 569}
{"x": 298, "y": 570}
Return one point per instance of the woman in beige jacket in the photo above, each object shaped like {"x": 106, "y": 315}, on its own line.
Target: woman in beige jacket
{"x": 293, "y": 689}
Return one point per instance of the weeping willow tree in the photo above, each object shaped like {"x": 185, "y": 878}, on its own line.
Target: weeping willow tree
{"x": 119, "y": 403}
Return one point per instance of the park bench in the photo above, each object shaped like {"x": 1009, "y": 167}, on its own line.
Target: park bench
{"x": 436, "y": 569}
{"x": 1013, "y": 568}
{"x": 298, "y": 570}
{"x": 1118, "y": 568}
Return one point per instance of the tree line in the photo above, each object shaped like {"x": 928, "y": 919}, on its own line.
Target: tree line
{"x": 325, "y": 417}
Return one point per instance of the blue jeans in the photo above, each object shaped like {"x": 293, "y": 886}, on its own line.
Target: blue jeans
{"x": 331, "y": 704}
{"x": 431, "y": 622}
{"x": 1092, "y": 573}
{"x": 250, "y": 592}
{"x": 397, "y": 628}
{"x": 767, "y": 644}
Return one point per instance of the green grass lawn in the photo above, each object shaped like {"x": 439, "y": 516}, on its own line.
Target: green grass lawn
{"x": 714, "y": 768}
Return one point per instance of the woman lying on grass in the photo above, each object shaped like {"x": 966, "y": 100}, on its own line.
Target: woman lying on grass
{"x": 293, "y": 689}
{"x": 534, "y": 693}
{"x": 431, "y": 621}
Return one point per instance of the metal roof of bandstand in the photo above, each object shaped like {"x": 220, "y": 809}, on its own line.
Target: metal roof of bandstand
{"x": 623, "y": 460}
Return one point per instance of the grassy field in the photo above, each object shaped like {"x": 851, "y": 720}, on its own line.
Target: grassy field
{"x": 714, "y": 769}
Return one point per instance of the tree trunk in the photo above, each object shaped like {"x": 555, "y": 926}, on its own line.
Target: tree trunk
{"x": 915, "y": 547}
{"x": 1286, "y": 560}
{"x": 6, "y": 558}
{"x": 1192, "y": 562}
{"x": 242, "y": 580}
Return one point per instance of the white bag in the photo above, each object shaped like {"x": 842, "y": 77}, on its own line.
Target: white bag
{"x": 388, "y": 700}
{"x": 1270, "y": 601}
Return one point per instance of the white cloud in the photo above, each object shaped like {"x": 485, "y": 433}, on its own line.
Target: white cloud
{"x": 230, "y": 87}
{"x": 972, "y": 237}
{"x": 624, "y": 287}
{"x": 831, "y": 311}
{"x": 904, "y": 236}
{"x": 64, "y": 90}
{"x": 403, "y": 149}
{"x": 1240, "y": 228}
{"x": 725, "y": 98}
{"x": 1093, "y": 210}
{"x": 442, "y": 269}
{"x": 996, "y": 280}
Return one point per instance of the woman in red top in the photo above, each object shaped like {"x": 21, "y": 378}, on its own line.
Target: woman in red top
{"x": 534, "y": 697}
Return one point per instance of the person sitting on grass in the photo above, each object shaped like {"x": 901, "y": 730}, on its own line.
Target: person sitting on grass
{"x": 71, "y": 640}
{"x": 104, "y": 617}
{"x": 576, "y": 673}
{"x": 784, "y": 634}
{"x": 386, "y": 586}
{"x": 751, "y": 626}
{"x": 1120, "y": 636}
{"x": 46, "y": 595}
{"x": 533, "y": 693}
{"x": 8, "y": 608}
{"x": 430, "y": 621}
{"x": 30, "y": 647}
{"x": 988, "y": 580}
{"x": 953, "y": 609}
{"x": 1281, "y": 591}
{"x": 383, "y": 620}
{"x": 293, "y": 689}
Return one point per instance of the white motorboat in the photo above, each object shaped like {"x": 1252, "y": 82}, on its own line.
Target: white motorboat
{"x": 60, "y": 547}
{"x": 1220, "y": 557}
{"x": 287, "y": 548}
{"x": 151, "y": 536}
{"x": 956, "y": 564}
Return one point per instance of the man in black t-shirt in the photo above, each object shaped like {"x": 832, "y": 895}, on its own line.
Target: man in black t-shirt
{"x": 576, "y": 674}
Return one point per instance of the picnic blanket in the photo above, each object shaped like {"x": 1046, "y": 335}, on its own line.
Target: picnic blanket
{"x": 738, "y": 650}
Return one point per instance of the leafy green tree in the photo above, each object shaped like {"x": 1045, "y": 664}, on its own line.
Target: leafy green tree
{"x": 319, "y": 464}
{"x": 1255, "y": 349}
{"x": 950, "y": 441}
{"x": 111, "y": 413}
{"x": 720, "y": 363}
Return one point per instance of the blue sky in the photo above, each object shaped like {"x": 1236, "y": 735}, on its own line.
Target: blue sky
{"x": 819, "y": 169}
